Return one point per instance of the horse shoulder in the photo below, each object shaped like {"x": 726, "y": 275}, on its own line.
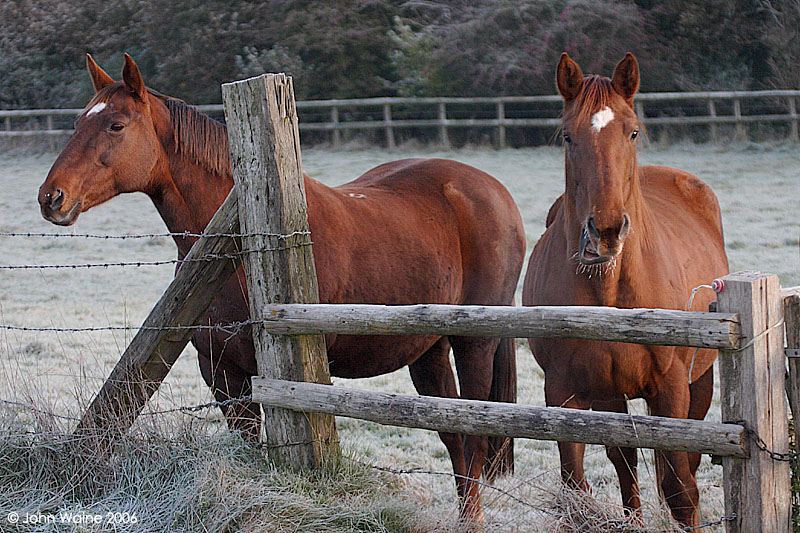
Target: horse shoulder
{"x": 697, "y": 195}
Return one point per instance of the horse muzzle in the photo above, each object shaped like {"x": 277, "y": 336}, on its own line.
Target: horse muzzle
{"x": 52, "y": 206}
{"x": 594, "y": 249}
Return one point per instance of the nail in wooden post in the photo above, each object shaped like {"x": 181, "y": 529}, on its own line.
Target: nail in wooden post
{"x": 752, "y": 391}
{"x": 265, "y": 157}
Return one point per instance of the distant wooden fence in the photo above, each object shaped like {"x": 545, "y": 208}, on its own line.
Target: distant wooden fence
{"x": 389, "y": 115}
{"x": 747, "y": 327}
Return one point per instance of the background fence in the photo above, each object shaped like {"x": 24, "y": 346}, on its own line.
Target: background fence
{"x": 502, "y": 121}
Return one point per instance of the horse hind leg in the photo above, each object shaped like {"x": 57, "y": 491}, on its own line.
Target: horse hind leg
{"x": 625, "y": 461}
{"x": 433, "y": 376}
{"x": 475, "y": 365}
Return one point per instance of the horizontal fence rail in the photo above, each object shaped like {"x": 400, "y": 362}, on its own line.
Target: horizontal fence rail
{"x": 642, "y": 326}
{"x": 389, "y": 114}
{"x": 505, "y": 419}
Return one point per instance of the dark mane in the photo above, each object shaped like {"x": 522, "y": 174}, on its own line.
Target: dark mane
{"x": 596, "y": 93}
{"x": 199, "y": 137}
{"x": 195, "y": 135}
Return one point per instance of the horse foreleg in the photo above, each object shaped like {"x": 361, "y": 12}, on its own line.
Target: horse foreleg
{"x": 625, "y": 461}
{"x": 676, "y": 479}
{"x": 475, "y": 364}
{"x": 700, "y": 392}
{"x": 558, "y": 393}
{"x": 228, "y": 382}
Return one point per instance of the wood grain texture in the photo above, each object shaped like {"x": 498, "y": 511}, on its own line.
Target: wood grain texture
{"x": 495, "y": 418}
{"x": 149, "y": 357}
{"x": 265, "y": 157}
{"x": 752, "y": 391}
{"x": 643, "y": 326}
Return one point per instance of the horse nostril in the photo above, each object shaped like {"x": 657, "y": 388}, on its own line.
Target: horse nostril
{"x": 592, "y": 228}
{"x": 626, "y": 226}
{"x": 55, "y": 204}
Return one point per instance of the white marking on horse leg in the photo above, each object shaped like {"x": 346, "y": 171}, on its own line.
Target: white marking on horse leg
{"x": 354, "y": 195}
{"x": 601, "y": 119}
{"x": 96, "y": 109}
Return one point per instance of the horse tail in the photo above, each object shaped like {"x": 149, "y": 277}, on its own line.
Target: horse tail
{"x": 500, "y": 458}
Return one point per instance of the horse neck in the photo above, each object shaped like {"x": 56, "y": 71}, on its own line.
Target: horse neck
{"x": 187, "y": 196}
{"x": 618, "y": 284}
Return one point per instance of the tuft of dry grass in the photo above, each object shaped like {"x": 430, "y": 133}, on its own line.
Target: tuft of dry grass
{"x": 185, "y": 480}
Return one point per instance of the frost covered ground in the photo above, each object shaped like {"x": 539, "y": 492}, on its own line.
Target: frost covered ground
{"x": 758, "y": 188}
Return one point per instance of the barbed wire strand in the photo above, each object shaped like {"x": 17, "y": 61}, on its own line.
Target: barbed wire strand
{"x": 155, "y": 235}
{"x": 201, "y": 259}
{"x": 410, "y": 471}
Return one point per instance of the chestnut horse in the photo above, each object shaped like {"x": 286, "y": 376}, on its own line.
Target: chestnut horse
{"x": 624, "y": 236}
{"x": 411, "y": 231}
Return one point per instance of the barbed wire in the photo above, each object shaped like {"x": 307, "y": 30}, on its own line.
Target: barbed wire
{"x": 201, "y": 259}
{"x": 155, "y": 235}
{"x": 410, "y": 471}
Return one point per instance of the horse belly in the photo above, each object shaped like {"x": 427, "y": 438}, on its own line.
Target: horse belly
{"x": 596, "y": 370}
{"x": 358, "y": 356}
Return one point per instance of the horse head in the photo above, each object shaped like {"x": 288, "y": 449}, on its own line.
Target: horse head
{"x": 114, "y": 149}
{"x": 600, "y": 129}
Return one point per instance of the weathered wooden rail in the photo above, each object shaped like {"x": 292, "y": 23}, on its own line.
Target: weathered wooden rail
{"x": 299, "y": 428}
{"x": 640, "y": 326}
{"x": 443, "y": 113}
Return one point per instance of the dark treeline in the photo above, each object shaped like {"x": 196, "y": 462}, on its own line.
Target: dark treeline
{"x": 363, "y": 48}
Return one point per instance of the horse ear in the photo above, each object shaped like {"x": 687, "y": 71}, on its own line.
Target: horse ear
{"x": 569, "y": 78}
{"x": 99, "y": 77}
{"x": 133, "y": 79}
{"x": 626, "y": 78}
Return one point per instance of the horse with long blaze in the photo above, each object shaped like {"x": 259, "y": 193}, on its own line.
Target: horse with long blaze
{"x": 411, "y": 231}
{"x": 624, "y": 236}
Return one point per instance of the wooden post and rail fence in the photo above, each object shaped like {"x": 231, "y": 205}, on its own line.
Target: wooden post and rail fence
{"x": 267, "y": 205}
{"x": 391, "y": 114}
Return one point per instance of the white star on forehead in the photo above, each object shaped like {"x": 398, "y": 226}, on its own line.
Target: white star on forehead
{"x": 96, "y": 109}
{"x": 601, "y": 119}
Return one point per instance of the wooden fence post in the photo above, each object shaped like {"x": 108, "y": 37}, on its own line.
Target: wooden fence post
{"x": 444, "y": 140}
{"x": 712, "y": 112}
{"x": 752, "y": 392}
{"x": 793, "y": 134}
{"x": 387, "y": 119}
{"x": 741, "y": 132}
{"x": 337, "y": 135}
{"x": 265, "y": 157}
{"x": 501, "y": 128}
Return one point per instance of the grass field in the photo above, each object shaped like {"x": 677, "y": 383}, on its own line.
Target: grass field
{"x": 758, "y": 188}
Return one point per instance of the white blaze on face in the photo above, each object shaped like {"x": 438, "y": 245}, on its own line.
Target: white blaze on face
{"x": 601, "y": 119}
{"x": 96, "y": 109}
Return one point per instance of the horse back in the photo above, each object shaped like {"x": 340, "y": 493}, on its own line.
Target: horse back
{"x": 670, "y": 190}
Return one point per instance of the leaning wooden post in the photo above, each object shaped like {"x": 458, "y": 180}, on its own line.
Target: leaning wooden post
{"x": 752, "y": 393}
{"x": 265, "y": 158}
{"x": 165, "y": 333}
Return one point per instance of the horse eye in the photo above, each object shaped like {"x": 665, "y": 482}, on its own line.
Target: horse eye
{"x": 567, "y": 139}
{"x": 634, "y": 135}
{"x": 117, "y": 126}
